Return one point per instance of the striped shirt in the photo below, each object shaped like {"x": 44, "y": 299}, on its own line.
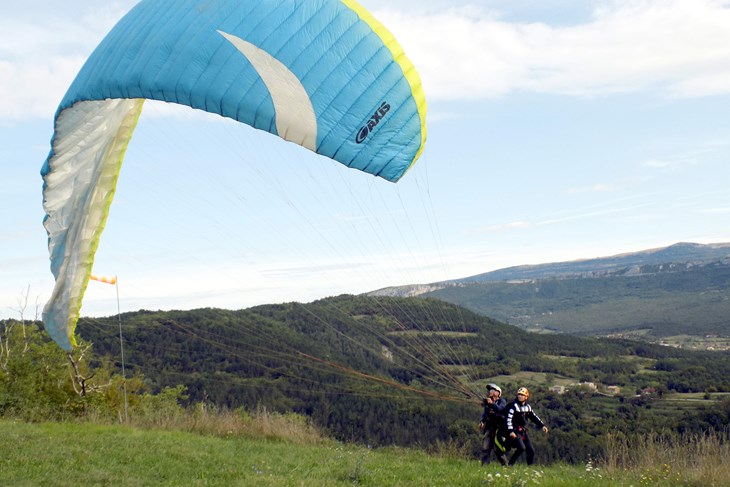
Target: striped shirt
{"x": 518, "y": 414}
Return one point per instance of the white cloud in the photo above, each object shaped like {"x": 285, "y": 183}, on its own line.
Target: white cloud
{"x": 657, "y": 163}
{"x": 678, "y": 48}
{"x": 715, "y": 211}
{"x": 592, "y": 214}
{"x": 674, "y": 163}
{"x": 594, "y": 188}
{"x": 30, "y": 90}
{"x": 507, "y": 226}
{"x": 42, "y": 46}
{"x": 461, "y": 54}
{"x": 675, "y": 47}
{"x": 710, "y": 84}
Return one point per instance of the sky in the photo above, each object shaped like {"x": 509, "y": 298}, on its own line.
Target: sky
{"x": 557, "y": 130}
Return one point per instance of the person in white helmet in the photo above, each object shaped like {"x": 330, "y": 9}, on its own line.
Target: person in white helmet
{"x": 491, "y": 420}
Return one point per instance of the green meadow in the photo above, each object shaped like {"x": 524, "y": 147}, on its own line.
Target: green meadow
{"x": 65, "y": 454}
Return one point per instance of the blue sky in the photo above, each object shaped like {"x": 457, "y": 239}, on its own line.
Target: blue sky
{"x": 558, "y": 130}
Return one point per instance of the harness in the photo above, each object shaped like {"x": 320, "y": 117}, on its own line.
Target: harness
{"x": 501, "y": 443}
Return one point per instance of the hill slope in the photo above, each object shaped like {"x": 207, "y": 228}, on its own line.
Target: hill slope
{"x": 681, "y": 289}
{"x": 401, "y": 371}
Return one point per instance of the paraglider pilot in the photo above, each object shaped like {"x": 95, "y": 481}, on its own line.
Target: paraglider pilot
{"x": 518, "y": 413}
{"x": 491, "y": 420}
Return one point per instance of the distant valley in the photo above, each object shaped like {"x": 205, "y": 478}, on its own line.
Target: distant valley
{"x": 677, "y": 295}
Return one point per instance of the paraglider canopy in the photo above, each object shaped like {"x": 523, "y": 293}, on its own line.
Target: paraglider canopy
{"x": 324, "y": 74}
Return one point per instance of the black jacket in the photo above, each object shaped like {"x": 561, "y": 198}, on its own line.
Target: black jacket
{"x": 517, "y": 416}
{"x": 493, "y": 415}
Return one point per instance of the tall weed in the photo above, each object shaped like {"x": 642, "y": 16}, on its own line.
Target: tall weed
{"x": 695, "y": 459}
{"x": 162, "y": 411}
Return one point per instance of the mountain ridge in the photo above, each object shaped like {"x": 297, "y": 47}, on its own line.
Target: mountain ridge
{"x": 682, "y": 289}
{"x": 629, "y": 263}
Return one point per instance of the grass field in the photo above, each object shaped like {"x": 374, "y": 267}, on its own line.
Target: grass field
{"x": 53, "y": 454}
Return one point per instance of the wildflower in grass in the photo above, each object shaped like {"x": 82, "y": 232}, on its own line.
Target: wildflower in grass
{"x": 592, "y": 472}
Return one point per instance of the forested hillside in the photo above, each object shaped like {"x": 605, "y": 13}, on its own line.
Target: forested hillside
{"x": 665, "y": 300}
{"x": 654, "y": 295}
{"x": 408, "y": 371}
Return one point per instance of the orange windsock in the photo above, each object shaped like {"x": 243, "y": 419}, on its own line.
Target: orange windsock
{"x": 108, "y": 280}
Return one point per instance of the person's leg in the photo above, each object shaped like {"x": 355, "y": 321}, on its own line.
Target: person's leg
{"x": 501, "y": 446}
{"x": 519, "y": 448}
{"x": 530, "y": 450}
{"x": 486, "y": 447}
{"x": 502, "y": 458}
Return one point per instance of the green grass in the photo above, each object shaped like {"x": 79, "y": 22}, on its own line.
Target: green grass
{"x": 54, "y": 454}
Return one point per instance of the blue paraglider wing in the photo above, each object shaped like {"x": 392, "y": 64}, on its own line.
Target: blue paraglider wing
{"x": 323, "y": 74}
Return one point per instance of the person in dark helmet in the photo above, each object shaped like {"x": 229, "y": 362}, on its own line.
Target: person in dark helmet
{"x": 518, "y": 413}
{"x": 490, "y": 422}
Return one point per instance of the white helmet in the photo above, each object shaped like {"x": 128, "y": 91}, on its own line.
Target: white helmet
{"x": 491, "y": 386}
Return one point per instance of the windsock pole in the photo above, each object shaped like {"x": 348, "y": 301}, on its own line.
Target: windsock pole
{"x": 113, "y": 280}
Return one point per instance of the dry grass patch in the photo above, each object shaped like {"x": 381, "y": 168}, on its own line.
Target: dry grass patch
{"x": 258, "y": 424}
{"x": 207, "y": 419}
{"x": 693, "y": 459}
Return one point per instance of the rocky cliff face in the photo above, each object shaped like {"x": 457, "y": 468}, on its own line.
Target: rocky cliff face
{"x": 677, "y": 257}
{"x": 409, "y": 290}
